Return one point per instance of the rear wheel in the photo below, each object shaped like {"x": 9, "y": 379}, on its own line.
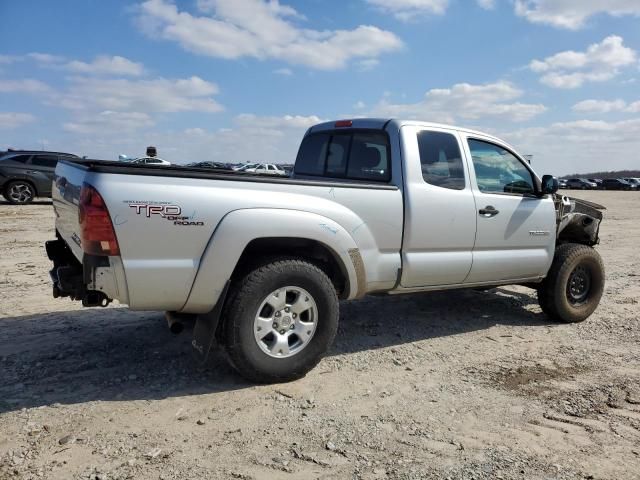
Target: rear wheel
{"x": 19, "y": 192}
{"x": 574, "y": 285}
{"x": 280, "y": 321}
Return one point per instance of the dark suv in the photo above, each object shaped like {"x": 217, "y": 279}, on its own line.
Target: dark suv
{"x": 616, "y": 184}
{"x": 26, "y": 174}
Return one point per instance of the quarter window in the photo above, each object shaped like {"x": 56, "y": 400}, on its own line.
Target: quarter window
{"x": 441, "y": 160}
{"x": 498, "y": 170}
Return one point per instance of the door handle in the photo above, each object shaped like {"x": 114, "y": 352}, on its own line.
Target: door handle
{"x": 488, "y": 211}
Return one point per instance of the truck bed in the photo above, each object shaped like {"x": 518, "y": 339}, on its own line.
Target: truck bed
{"x": 167, "y": 221}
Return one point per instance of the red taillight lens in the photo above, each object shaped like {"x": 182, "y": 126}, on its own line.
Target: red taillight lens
{"x": 96, "y": 230}
{"x": 343, "y": 123}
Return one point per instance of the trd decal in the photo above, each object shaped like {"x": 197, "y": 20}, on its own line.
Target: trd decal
{"x": 162, "y": 210}
{"x": 171, "y": 213}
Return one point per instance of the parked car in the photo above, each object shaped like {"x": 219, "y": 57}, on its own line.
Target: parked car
{"x": 262, "y": 168}
{"x": 634, "y": 182}
{"x": 581, "y": 184}
{"x": 562, "y": 183}
{"x": 245, "y": 166}
{"x": 616, "y": 184}
{"x": 151, "y": 161}
{"x": 261, "y": 262}
{"x": 217, "y": 165}
{"x": 597, "y": 181}
{"x": 27, "y": 174}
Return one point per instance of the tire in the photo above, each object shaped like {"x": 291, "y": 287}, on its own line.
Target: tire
{"x": 19, "y": 192}
{"x": 573, "y": 287}
{"x": 257, "y": 305}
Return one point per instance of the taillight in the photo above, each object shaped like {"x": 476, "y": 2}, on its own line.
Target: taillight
{"x": 96, "y": 230}
{"x": 343, "y": 123}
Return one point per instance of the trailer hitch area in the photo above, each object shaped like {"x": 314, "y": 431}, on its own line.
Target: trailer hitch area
{"x": 94, "y": 298}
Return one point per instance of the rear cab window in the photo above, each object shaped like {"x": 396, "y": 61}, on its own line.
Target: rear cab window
{"x": 352, "y": 154}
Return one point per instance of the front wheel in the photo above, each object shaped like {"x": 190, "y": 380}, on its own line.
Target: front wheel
{"x": 280, "y": 320}
{"x": 574, "y": 285}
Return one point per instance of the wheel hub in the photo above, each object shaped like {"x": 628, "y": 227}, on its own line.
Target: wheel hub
{"x": 20, "y": 192}
{"x": 579, "y": 285}
{"x": 286, "y": 321}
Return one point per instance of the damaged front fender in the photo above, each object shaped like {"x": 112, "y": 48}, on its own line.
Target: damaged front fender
{"x": 578, "y": 221}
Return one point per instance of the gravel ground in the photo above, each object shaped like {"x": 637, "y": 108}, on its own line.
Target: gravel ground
{"x": 459, "y": 385}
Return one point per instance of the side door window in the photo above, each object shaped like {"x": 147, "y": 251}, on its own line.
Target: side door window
{"x": 20, "y": 158}
{"x": 440, "y": 160}
{"x": 498, "y": 170}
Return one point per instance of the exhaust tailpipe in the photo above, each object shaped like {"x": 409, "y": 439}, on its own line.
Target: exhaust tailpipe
{"x": 177, "y": 321}
{"x": 93, "y": 298}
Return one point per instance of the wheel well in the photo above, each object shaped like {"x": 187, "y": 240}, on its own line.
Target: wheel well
{"x": 316, "y": 252}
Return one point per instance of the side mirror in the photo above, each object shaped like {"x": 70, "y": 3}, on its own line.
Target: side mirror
{"x": 549, "y": 184}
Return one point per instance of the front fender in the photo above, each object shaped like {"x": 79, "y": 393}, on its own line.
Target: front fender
{"x": 239, "y": 227}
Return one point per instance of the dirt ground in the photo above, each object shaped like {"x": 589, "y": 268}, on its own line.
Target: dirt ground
{"x": 455, "y": 385}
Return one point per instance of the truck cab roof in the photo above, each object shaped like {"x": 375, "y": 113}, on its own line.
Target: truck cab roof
{"x": 384, "y": 123}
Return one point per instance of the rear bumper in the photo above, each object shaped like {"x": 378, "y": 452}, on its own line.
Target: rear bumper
{"x": 73, "y": 279}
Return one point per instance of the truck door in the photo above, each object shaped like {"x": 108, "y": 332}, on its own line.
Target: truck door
{"x": 515, "y": 236}
{"x": 440, "y": 213}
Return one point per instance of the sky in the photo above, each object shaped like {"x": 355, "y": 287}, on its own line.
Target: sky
{"x": 241, "y": 80}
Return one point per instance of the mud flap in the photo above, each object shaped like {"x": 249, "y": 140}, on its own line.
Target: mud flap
{"x": 204, "y": 332}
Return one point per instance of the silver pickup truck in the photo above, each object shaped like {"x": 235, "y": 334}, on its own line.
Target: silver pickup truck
{"x": 373, "y": 206}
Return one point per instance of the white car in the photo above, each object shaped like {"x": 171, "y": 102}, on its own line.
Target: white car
{"x": 264, "y": 168}
{"x": 151, "y": 161}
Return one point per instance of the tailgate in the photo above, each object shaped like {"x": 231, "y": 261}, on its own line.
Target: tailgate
{"x": 66, "y": 197}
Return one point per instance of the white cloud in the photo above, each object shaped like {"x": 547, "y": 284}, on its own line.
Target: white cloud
{"x": 158, "y": 95}
{"x": 108, "y": 121}
{"x": 251, "y": 138}
{"x": 103, "y": 64}
{"x": 15, "y": 120}
{"x": 26, "y": 85}
{"x": 464, "y": 101}
{"x": 8, "y": 59}
{"x": 600, "y": 62}
{"x": 606, "y": 106}
{"x": 275, "y": 122}
{"x": 287, "y": 72}
{"x": 253, "y": 28}
{"x": 368, "y": 64}
{"x": 573, "y": 14}
{"x": 580, "y": 146}
{"x": 487, "y": 4}
{"x": 45, "y": 58}
{"x": 407, "y": 10}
